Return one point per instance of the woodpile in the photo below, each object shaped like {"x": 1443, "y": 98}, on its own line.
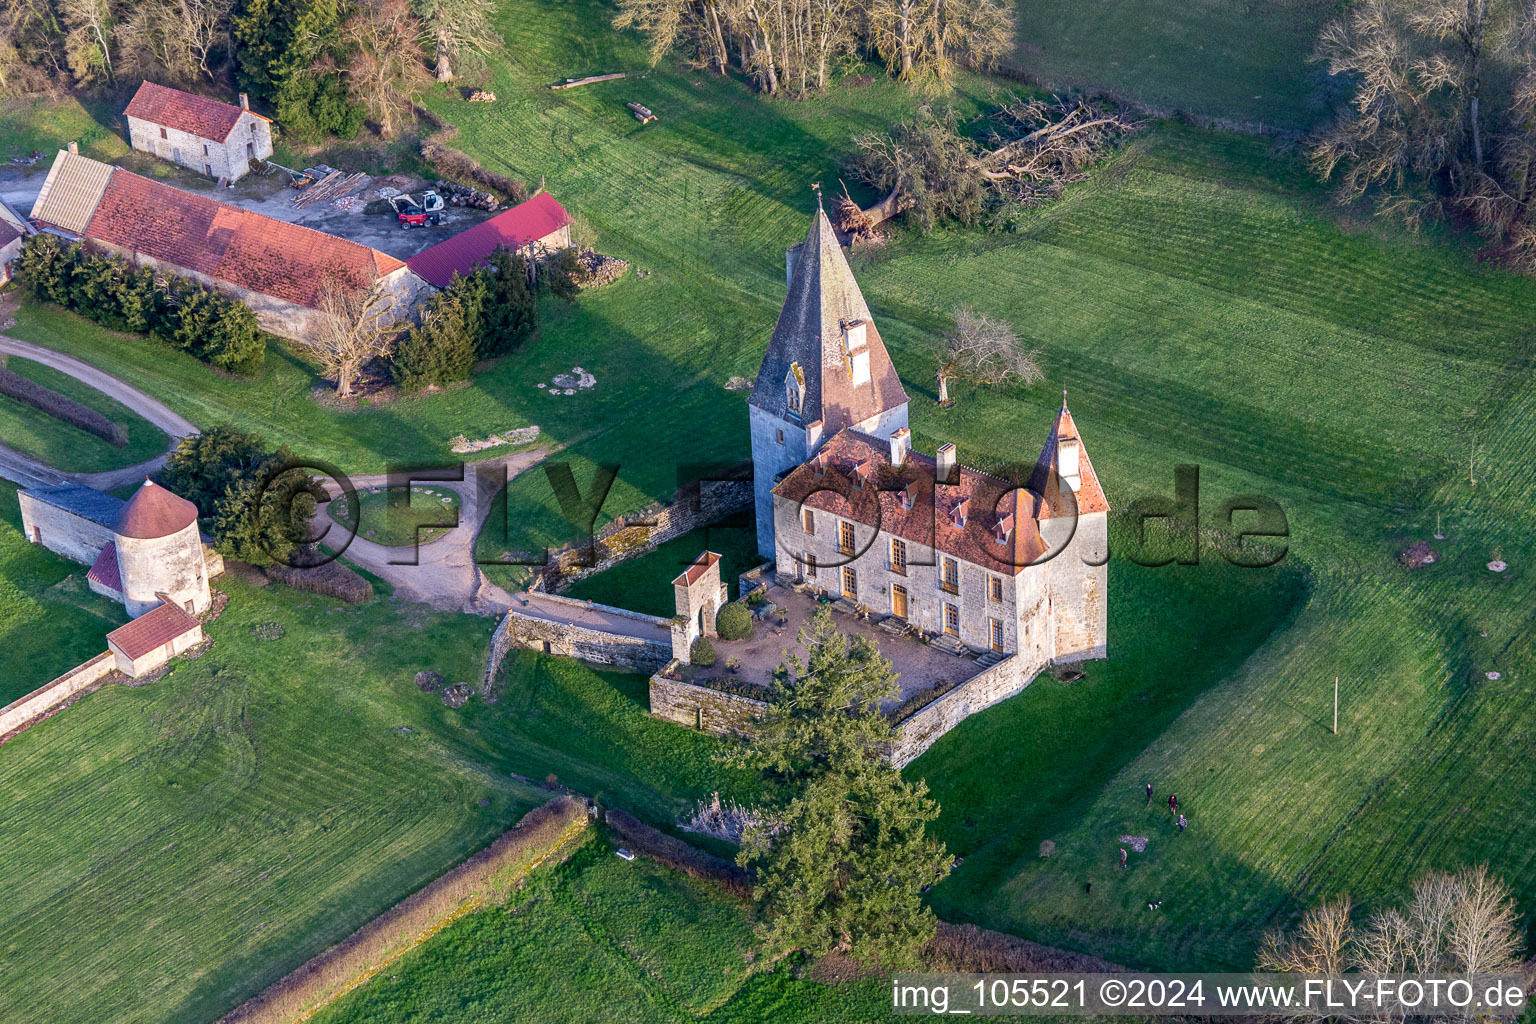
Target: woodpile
{"x": 333, "y": 186}
{"x": 481, "y": 96}
{"x": 600, "y": 269}
{"x": 462, "y": 195}
{"x": 642, "y": 113}
{"x": 571, "y": 83}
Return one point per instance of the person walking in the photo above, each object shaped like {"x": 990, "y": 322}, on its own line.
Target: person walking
{"x": 1173, "y": 803}
{"x": 1149, "y": 794}
{"x": 1122, "y": 856}
{"x": 1182, "y": 823}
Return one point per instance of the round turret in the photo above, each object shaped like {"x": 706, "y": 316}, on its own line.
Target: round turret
{"x": 160, "y": 552}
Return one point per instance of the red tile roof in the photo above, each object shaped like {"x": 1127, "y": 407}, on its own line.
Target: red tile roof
{"x": 104, "y": 569}
{"x": 230, "y": 244}
{"x": 206, "y": 118}
{"x": 155, "y": 512}
{"x": 696, "y": 571}
{"x": 524, "y": 223}
{"x": 1090, "y": 494}
{"x": 155, "y": 628}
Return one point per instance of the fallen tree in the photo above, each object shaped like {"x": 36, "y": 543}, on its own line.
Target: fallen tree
{"x": 1032, "y": 150}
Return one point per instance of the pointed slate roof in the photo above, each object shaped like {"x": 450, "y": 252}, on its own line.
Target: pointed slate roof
{"x": 822, "y": 297}
{"x": 1090, "y": 495}
{"x": 154, "y": 512}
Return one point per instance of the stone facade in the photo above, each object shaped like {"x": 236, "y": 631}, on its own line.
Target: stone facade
{"x": 133, "y": 668}
{"x": 921, "y": 729}
{"x": 229, "y": 158}
{"x": 520, "y": 629}
{"x": 169, "y": 566}
{"x": 698, "y": 595}
{"x": 73, "y": 536}
{"x": 700, "y": 707}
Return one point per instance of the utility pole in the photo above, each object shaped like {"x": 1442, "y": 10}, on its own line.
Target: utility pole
{"x": 1335, "y": 705}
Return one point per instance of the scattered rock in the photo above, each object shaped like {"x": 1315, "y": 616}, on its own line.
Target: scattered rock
{"x": 457, "y": 695}
{"x": 481, "y": 96}
{"x": 522, "y": 435}
{"x": 1137, "y": 843}
{"x": 1416, "y": 556}
{"x": 268, "y": 631}
{"x": 1494, "y": 677}
{"x": 1497, "y": 565}
{"x": 428, "y": 681}
{"x": 484, "y": 801}
{"x": 738, "y": 384}
{"x": 600, "y": 269}
{"x": 1047, "y": 848}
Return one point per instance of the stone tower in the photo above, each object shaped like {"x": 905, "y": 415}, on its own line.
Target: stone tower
{"x": 160, "y": 552}
{"x": 826, "y": 369}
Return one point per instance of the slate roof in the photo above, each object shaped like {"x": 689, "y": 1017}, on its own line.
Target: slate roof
{"x": 524, "y": 223}
{"x": 8, "y": 232}
{"x": 71, "y": 192}
{"x": 198, "y": 115}
{"x": 155, "y": 628}
{"x": 154, "y": 512}
{"x": 822, "y": 296}
{"x": 105, "y": 569}
{"x": 982, "y": 519}
{"x": 86, "y": 502}
{"x": 695, "y": 572}
{"x": 272, "y": 257}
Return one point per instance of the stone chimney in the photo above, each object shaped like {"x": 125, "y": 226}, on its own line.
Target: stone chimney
{"x": 245, "y": 101}
{"x": 900, "y": 442}
{"x": 74, "y": 148}
{"x": 945, "y": 471}
{"x": 1067, "y": 462}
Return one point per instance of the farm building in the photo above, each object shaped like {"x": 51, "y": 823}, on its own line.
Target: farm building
{"x": 14, "y": 228}
{"x": 280, "y": 270}
{"x": 535, "y": 227}
{"x": 217, "y": 139}
{"x": 146, "y": 553}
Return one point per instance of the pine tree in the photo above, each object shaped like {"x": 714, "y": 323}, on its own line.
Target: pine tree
{"x": 511, "y": 307}
{"x": 843, "y": 864}
{"x": 441, "y": 349}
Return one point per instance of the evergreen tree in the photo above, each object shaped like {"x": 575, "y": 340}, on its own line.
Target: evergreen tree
{"x": 843, "y": 865}
{"x": 204, "y": 466}
{"x": 565, "y": 274}
{"x": 234, "y": 343}
{"x": 511, "y": 307}
{"x": 257, "y": 512}
{"x": 441, "y": 349}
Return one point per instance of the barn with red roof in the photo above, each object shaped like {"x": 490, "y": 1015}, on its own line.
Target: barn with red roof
{"x": 535, "y": 227}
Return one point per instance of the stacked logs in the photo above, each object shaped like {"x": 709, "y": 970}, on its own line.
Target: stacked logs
{"x": 462, "y": 195}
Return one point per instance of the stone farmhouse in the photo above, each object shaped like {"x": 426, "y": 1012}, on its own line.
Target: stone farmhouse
{"x": 280, "y": 270}
{"x": 14, "y": 229}
{"x": 146, "y": 553}
{"x": 538, "y": 227}
{"x": 970, "y": 583}
{"x": 216, "y": 139}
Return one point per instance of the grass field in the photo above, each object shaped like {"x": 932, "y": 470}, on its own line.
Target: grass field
{"x": 49, "y": 620}
{"x": 600, "y": 940}
{"x": 67, "y": 447}
{"x": 644, "y": 584}
{"x": 40, "y": 124}
{"x": 1247, "y": 63}
{"x": 385, "y": 524}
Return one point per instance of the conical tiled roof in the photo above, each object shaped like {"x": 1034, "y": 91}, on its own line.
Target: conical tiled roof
{"x": 155, "y": 512}
{"x": 823, "y": 297}
{"x": 1089, "y": 494}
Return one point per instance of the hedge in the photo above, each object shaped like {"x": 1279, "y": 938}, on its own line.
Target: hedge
{"x": 688, "y": 859}
{"x": 61, "y": 408}
{"x": 331, "y": 579}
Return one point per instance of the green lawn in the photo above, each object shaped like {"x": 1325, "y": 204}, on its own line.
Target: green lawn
{"x": 67, "y": 447}
{"x": 49, "y": 620}
{"x": 599, "y": 940}
{"x": 393, "y": 526}
{"x": 644, "y": 584}
{"x": 46, "y": 124}
{"x": 1248, "y": 63}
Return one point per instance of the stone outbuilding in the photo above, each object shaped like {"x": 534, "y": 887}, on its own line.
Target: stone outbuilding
{"x": 153, "y": 639}
{"x": 698, "y": 594}
{"x": 280, "y": 270}
{"x": 213, "y": 138}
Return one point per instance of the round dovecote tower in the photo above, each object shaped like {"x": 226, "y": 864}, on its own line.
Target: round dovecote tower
{"x": 160, "y": 552}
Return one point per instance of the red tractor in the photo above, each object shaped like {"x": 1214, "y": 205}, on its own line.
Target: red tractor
{"x": 410, "y": 213}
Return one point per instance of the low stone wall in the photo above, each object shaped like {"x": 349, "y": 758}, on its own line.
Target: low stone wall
{"x": 520, "y": 629}
{"x": 21, "y": 713}
{"x": 631, "y": 536}
{"x": 701, "y": 707}
{"x": 921, "y": 729}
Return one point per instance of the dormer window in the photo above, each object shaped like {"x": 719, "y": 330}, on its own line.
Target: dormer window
{"x": 960, "y": 512}
{"x": 794, "y": 389}
{"x": 1003, "y": 529}
{"x": 856, "y": 349}
{"x": 908, "y": 495}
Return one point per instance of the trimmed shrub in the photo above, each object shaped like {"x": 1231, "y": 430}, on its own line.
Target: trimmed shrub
{"x": 702, "y": 653}
{"x": 61, "y": 408}
{"x": 331, "y": 579}
{"x": 734, "y": 622}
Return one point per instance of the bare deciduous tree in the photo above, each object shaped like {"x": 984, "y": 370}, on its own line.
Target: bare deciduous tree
{"x": 386, "y": 67}
{"x": 356, "y": 324}
{"x": 985, "y": 350}
{"x": 458, "y": 31}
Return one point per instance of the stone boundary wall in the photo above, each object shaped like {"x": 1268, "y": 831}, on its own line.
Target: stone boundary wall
{"x": 519, "y": 629}
{"x": 642, "y": 532}
{"x": 23, "y": 712}
{"x": 703, "y": 707}
{"x": 921, "y": 729}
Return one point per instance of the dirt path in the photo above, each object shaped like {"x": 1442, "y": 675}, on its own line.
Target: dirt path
{"x": 443, "y": 573}
{"x": 29, "y": 472}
